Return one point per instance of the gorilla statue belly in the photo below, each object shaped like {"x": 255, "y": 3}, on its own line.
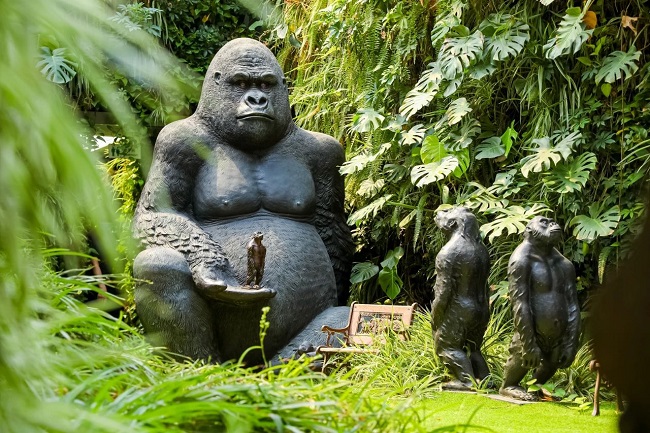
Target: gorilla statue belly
{"x": 236, "y": 167}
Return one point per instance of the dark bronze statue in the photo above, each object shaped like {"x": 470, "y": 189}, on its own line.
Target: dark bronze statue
{"x": 256, "y": 257}
{"x": 542, "y": 287}
{"x": 460, "y": 310}
{"x": 240, "y": 165}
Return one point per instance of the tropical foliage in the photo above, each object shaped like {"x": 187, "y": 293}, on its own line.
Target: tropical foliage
{"x": 511, "y": 108}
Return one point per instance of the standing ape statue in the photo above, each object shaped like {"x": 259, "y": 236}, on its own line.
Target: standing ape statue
{"x": 542, "y": 287}
{"x": 256, "y": 255}
{"x": 460, "y": 310}
{"x": 240, "y": 165}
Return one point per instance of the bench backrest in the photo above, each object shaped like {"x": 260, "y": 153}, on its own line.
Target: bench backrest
{"x": 369, "y": 321}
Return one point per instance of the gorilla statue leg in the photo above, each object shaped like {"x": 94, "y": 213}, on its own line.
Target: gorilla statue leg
{"x": 546, "y": 370}
{"x": 514, "y": 372}
{"x": 449, "y": 348}
{"x": 175, "y": 316}
{"x": 479, "y": 366}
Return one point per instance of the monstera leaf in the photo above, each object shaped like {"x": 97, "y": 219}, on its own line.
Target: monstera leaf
{"x": 370, "y": 210}
{"x": 416, "y": 100}
{"x": 569, "y": 36}
{"x": 428, "y": 173}
{"x": 366, "y": 120}
{"x": 55, "y": 66}
{"x": 619, "y": 64}
{"x": 459, "y": 52}
{"x": 432, "y": 150}
{"x": 362, "y": 272}
{"x": 599, "y": 223}
{"x": 545, "y": 155}
{"x": 572, "y": 177}
{"x": 490, "y": 148}
{"x": 413, "y": 135}
{"x": 463, "y": 137}
{"x": 457, "y": 110}
{"x": 511, "y": 220}
{"x": 505, "y": 36}
{"x": 388, "y": 279}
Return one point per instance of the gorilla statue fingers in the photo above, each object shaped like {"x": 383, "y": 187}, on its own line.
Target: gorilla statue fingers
{"x": 239, "y": 165}
{"x": 542, "y": 287}
{"x": 460, "y": 311}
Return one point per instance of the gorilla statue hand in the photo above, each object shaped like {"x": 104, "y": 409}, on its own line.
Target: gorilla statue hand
{"x": 532, "y": 357}
{"x": 211, "y": 285}
{"x": 567, "y": 355}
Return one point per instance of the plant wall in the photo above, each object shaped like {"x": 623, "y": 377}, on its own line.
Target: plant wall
{"x": 512, "y": 108}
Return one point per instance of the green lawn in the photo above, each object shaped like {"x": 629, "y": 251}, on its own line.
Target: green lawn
{"x": 546, "y": 417}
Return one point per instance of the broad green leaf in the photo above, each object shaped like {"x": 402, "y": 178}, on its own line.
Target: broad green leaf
{"x": 425, "y": 174}
{"x": 619, "y": 64}
{"x": 415, "y": 100}
{"x": 541, "y": 160}
{"x": 413, "y": 135}
{"x": 442, "y": 27}
{"x": 505, "y": 36}
{"x": 370, "y": 210}
{"x": 356, "y": 163}
{"x": 55, "y": 66}
{"x": 432, "y": 150}
{"x": 490, "y": 148}
{"x": 363, "y": 272}
{"x": 457, "y": 110}
{"x": 464, "y": 161}
{"x": 569, "y": 36}
{"x": 571, "y": 177}
{"x": 390, "y": 282}
{"x": 508, "y": 137}
{"x": 369, "y": 188}
{"x": 458, "y": 53}
{"x": 366, "y": 119}
{"x": 392, "y": 257}
{"x": 511, "y": 220}
{"x": 462, "y": 138}
{"x": 430, "y": 79}
{"x": 566, "y": 145}
{"x": 598, "y": 223}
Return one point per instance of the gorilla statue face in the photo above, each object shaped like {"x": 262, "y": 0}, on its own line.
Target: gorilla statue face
{"x": 457, "y": 219}
{"x": 245, "y": 99}
{"x": 543, "y": 231}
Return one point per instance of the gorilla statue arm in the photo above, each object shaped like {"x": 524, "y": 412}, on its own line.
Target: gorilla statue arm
{"x": 443, "y": 289}
{"x": 164, "y": 211}
{"x": 519, "y": 290}
{"x": 330, "y": 220}
{"x": 570, "y": 344}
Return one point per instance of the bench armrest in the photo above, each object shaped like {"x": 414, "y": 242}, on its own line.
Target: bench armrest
{"x": 331, "y": 331}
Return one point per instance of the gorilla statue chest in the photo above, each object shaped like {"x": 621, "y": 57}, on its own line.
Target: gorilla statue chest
{"x": 234, "y": 184}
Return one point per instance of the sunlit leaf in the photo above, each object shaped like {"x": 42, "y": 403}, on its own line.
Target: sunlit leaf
{"x": 600, "y": 222}
{"x": 457, "y": 110}
{"x": 458, "y": 53}
{"x": 569, "y": 36}
{"x": 370, "y": 210}
{"x": 573, "y": 176}
{"x": 490, "y": 148}
{"x": 462, "y": 138}
{"x": 435, "y": 171}
{"x": 505, "y": 36}
{"x": 619, "y": 65}
{"x": 55, "y": 66}
{"x": 366, "y": 119}
{"x": 511, "y": 220}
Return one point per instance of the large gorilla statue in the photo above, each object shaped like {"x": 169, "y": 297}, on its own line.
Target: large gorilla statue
{"x": 542, "y": 288}
{"x": 237, "y": 166}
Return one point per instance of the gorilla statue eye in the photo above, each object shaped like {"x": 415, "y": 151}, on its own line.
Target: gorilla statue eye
{"x": 264, "y": 86}
{"x": 241, "y": 84}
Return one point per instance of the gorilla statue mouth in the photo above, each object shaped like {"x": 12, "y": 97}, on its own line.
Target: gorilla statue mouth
{"x": 255, "y": 115}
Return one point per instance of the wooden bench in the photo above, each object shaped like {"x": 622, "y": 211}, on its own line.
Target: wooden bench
{"x": 367, "y": 324}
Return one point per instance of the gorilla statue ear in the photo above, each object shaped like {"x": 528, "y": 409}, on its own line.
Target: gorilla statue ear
{"x": 217, "y": 77}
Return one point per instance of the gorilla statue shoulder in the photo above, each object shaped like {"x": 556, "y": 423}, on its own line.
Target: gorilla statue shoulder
{"x": 239, "y": 165}
{"x": 542, "y": 288}
{"x": 460, "y": 310}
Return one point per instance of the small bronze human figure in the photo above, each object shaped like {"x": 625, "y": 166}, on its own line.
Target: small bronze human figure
{"x": 542, "y": 288}
{"x": 460, "y": 310}
{"x": 256, "y": 255}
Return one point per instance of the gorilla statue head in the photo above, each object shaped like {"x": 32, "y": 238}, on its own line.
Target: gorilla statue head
{"x": 245, "y": 99}
{"x": 543, "y": 231}
{"x": 458, "y": 220}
